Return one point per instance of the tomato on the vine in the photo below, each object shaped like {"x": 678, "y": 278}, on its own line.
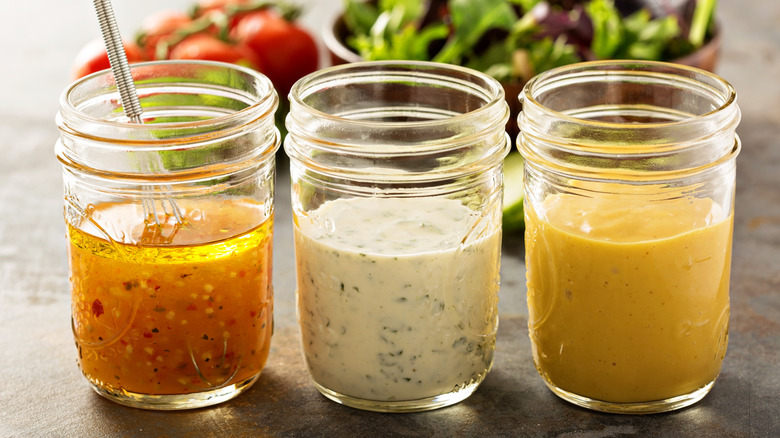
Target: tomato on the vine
{"x": 93, "y": 57}
{"x": 158, "y": 27}
{"x": 208, "y": 47}
{"x": 286, "y": 51}
{"x": 206, "y": 7}
{"x": 203, "y": 6}
{"x": 260, "y": 34}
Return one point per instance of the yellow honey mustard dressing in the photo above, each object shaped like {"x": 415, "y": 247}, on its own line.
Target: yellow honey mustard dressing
{"x": 628, "y": 302}
{"x": 193, "y": 314}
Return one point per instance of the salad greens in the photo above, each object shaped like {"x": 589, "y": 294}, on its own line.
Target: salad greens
{"x": 512, "y": 40}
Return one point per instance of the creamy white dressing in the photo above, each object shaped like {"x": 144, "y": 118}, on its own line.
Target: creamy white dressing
{"x": 391, "y": 305}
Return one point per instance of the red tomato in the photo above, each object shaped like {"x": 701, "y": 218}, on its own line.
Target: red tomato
{"x": 158, "y": 26}
{"x": 93, "y": 57}
{"x": 208, "y": 47}
{"x": 286, "y": 51}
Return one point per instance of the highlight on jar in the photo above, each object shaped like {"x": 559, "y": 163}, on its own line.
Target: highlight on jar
{"x": 169, "y": 226}
{"x": 629, "y": 190}
{"x": 397, "y": 183}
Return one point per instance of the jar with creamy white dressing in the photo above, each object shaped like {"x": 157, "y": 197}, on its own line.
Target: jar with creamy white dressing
{"x": 397, "y": 188}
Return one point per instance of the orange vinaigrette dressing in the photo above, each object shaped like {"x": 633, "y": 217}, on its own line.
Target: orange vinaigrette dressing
{"x": 192, "y": 315}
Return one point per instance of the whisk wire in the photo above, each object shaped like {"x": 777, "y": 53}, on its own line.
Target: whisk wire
{"x": 128, "y": 96}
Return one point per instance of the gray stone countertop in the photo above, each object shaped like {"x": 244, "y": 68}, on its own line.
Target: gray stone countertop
{"x": 42, "y": 392}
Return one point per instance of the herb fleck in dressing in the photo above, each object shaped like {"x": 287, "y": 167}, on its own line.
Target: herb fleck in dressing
{"x": 391, "y": 305}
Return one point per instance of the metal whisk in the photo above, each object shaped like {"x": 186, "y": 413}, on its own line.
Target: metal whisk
{"x": 129, "y": 97}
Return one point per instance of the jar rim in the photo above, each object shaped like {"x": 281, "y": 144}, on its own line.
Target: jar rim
{"x": 200, "y": 116}
{"x": 626, "y": 119}
{"x": 374, "y": 68}
{"x": 397, "y": 121}
{"x": 69, "y": 110}
{"x": 527, "y": 95}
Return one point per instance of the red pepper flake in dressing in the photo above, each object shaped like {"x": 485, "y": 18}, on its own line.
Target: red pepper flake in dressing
{"x": 97, "y": 308}
{"x": 151, "y": 291}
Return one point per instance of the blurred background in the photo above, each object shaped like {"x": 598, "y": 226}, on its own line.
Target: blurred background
{"x": 40, "y": 40}
{"x": 43, "y": 394}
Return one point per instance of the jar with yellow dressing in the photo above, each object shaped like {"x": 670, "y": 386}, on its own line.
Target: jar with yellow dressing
{"x": 629, "y": 188}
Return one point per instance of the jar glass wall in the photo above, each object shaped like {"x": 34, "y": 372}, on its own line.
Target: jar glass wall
{"x": 397, "y": 180}
{"x": 169, "y": 228}
{"x": 630, "y": 172}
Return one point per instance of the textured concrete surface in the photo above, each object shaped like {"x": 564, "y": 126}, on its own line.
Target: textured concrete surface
{"x": 42, "y": 392}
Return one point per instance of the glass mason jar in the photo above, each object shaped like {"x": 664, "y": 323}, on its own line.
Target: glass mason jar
{"x": 630, "y": 172}
{"x": 397, "y": 188}
{"x": 169, "y": 227}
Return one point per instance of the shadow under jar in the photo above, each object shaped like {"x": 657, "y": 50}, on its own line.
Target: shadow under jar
{"x": 397, "y": 186}
{"x": 169, "y": 228}
{"x": 629, "y": 189}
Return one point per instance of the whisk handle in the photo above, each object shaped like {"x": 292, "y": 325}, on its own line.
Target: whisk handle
{"x": 118, "y": 60}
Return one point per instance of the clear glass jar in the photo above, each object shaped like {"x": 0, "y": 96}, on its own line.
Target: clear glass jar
{"x": 629, "y": 191}
{"x": 169, "y": 227}
{"x": 397, "y": 187}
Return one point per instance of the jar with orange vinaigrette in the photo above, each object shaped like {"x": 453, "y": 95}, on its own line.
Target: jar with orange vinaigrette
{"x": 629, "y": 191}
{"x": 169, "y": 227}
